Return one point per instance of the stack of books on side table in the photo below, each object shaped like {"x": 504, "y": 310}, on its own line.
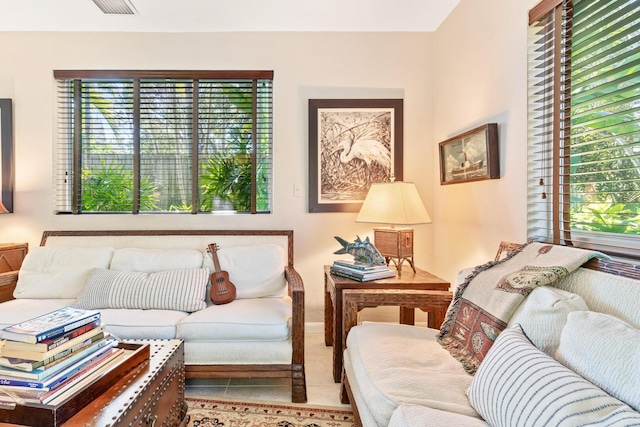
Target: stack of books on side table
{"x": 361, "y": 272}
{"x": 44, "y": 358}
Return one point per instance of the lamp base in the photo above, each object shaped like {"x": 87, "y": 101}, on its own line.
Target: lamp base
{"x": 395, "y": 244}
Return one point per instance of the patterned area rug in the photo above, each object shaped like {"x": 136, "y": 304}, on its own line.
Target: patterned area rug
{"x": 219, "y": 413}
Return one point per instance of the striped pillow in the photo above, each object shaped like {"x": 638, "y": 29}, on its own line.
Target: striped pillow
{"x": 519, "y": 385}
{"x": 182, "y": 290}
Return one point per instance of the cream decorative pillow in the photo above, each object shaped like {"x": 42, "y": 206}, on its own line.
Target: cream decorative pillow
{"x": 519, "y": 385}
{"x": 153, "y": 260}
{"x": 256, "y": 271}
{"x": 59, "y": 272}
{"x": 543, "y": 314}
{"x": 606, "y": 351}
{"x": 182, "y": 290}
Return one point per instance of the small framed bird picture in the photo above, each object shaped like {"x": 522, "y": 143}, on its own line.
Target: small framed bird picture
{"x": 352, "y": 144}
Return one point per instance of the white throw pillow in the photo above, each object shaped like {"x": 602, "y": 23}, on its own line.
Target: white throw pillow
{"x": 543, "y": 314}
{"x": 256, "y": 271}
{"x": 152, "y": 260}
{"x": 519, "y": 385}
{"x": 606, "y": 351}
{"x": 59, "y": 272}
{"x": 182, "y": 290}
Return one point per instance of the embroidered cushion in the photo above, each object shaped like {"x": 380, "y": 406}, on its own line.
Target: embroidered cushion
{"x": 182, "y": 290}
{"x": 604, "y": 350}
{"x": 519, "y": 385}
{"x": 485, "y": 302}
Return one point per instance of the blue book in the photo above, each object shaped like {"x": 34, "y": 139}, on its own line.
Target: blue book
{"x": 49, "y": 325}
{"x": 55, "y": 380}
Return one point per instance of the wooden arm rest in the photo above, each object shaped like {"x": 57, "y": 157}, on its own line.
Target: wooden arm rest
{"x": 7, "y": 285}
{"x": 434, "y": 302}
{"x": 506, "y": 247}
{"x": 296, "y": 291}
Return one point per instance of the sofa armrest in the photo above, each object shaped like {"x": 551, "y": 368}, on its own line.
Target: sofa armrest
{"x": 296, "y": 291}
{"x": 433, "y": 302}
{"x": 7, "y": 285}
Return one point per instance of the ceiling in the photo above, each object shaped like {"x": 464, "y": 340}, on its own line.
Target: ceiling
{"x": 227, "y": 15}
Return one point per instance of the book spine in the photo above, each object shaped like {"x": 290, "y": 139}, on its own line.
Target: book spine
{"x": 52, "y": 343}
{"x": 77, "y": 368}
{"x": 56, "y": 342}
{"x": 41, "y": 373}
{"x": 361, "y": 267}
{"x": 51, "y": 333}
{"x": 350, "y": 271}
{"x": 21, "y": 383}
{"x": 346, "y": 274}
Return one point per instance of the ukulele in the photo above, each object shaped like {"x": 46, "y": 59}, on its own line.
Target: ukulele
{"x": 222, "y": 290}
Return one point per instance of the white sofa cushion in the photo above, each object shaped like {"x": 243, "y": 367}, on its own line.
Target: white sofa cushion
{"x": 237, "y": 352}
{"x": 423, "y": 416}
{"x": 128, "y": 323}
{"x": 182, "y": 290}
{"x": 519, "y": 385}
{"x": 152, "y": 260}
{"x": 605, "y": 351}
{"x": 59, "y": 272}
{"x": 256, "y": 271}
{"x": 426, "y": 374}
{"x": 263, "y": 319}
{"x": 543, "y": 314}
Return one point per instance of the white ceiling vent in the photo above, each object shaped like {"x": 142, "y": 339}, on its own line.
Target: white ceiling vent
{"x": 116, "y": 7}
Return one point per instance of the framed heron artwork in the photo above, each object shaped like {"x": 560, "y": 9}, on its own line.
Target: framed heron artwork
{"x": 352, "y": 144}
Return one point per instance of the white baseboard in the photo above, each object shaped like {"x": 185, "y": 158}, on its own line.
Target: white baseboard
{"x": 314, "y": 328}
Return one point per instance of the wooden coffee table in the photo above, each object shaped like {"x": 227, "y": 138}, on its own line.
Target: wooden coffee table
{"x": 152, "y": 393}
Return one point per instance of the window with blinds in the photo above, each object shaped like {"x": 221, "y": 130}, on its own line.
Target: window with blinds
{"x": 584, "y": 124}
{"x": 164, "y": 141}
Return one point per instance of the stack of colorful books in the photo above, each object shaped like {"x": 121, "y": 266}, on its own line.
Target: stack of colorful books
{"x": 44, "y": 357}
{"x": 361, "y": 272}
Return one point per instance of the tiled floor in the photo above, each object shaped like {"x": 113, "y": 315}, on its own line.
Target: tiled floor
{"x": 321, "y": 390}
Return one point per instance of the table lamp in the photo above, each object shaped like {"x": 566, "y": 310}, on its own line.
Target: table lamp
{"x": 394, "y": 203}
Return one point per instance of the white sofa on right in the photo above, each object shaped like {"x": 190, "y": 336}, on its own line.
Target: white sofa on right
{"x": 569, "y": 356}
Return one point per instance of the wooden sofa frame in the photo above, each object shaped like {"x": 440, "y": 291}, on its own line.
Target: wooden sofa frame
{"x": 295, "y": 371}
{"x": 435, "y": 300}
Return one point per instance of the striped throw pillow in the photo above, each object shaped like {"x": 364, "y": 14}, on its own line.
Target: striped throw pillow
{"x": 182, "y": 290}
{"x": 519, "y": 385}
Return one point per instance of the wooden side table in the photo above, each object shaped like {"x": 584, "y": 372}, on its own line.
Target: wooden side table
{"x": 11, "y": 257}
{"x": 333, "y": 303}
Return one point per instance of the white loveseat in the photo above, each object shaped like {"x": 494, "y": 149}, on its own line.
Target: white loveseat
{"x": 259, "y": 334}
{"x": 569, "y": 356}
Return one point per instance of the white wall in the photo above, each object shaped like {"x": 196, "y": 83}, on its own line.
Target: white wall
{"x": 481, "y": 77}
{"x": 306, "y": 65}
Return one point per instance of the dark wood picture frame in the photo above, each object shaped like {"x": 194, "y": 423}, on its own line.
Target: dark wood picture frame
{"x": 470, "y": 156}
{"x": 352, "y": 144}
{"x": 6, "y": 152}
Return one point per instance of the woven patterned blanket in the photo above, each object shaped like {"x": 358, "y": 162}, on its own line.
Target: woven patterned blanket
{"x": 484, "y": 303}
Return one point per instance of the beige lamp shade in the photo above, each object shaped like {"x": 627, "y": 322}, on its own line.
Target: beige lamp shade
{"x": 396, "y": 203}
